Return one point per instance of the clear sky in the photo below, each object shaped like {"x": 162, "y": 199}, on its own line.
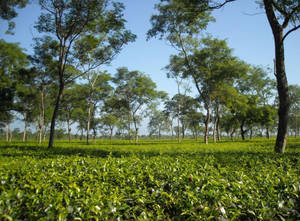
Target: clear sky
{"x": 242, "y": 23}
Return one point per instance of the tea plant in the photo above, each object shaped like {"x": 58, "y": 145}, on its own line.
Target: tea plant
{"x": 151, "y": 181}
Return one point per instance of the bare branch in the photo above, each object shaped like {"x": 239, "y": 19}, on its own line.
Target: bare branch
{"x": 290, "y": 31}
{"x": 218, "y": 6}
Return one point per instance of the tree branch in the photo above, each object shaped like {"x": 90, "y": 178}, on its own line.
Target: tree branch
{"x": 218, "y": 6}
{"x": 290, "y": 31}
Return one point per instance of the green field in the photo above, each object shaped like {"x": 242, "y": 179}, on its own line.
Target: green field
{"x": 154, "y": 180}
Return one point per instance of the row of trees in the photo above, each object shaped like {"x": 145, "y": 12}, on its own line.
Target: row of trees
{"x": 180, "y": 22}
{"x": 237, "y": 97}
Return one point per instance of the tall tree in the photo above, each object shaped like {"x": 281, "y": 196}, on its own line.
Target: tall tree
{"x": 45, "y": 79}
{"x": 71, "y": 23}
{"x": 26, "y": 97}
{"x": 294, "y": 93}
{"x": 209, "y": 64}
{"x": 98, "y": 89}
{"x": 135, "y": 90}
{"x": 283, "y": 17}
{"x": 12, "y": 60}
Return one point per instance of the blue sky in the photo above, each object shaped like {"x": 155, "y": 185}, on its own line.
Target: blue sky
{"x": 242, "y": 23}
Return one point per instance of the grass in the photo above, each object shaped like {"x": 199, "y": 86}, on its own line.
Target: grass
{"x": 154, "y": 180}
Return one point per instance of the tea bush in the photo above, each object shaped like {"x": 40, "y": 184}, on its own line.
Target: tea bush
{"x": 155, "y": 180}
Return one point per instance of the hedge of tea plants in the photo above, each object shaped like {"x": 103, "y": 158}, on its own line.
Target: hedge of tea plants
{"x": 188, "y": 181}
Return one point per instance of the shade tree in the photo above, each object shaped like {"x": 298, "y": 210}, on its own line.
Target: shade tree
{"x": 135, "y": 91}
{"x": 294, "y": 93}
{"x": 283, "y": 17}
{"x": 97, "y": 90}
{"x": 80, "y": 27}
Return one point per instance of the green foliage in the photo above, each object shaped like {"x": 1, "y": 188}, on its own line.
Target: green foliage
{"x": 8, "y": 12}
{"x": 12, "y": 59}
{"x": 153, "y": 180}
{"x": 178, "y": 17}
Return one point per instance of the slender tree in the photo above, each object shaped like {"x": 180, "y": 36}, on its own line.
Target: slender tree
{"x": 73, "y": 22}
{"x": 283, "y": 17}
{"x": 135, "y": 90}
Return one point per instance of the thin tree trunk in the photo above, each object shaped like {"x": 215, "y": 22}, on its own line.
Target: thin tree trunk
{"x": 282, "y": 84}
{"x": 7, "y": 131}
{"x": 243, "y": 132}
{"x": 215, "y": 124}
{"x": 183, "y": 130}
{"x": 267, "y": 133}
{"x": 42, "y": 117}
{"x": 136, "y": 129}
{"x": 111, "y": 133}
{"x": 193, "y": 133}
{"x": 207, "y": 125}
{"x": 54, "y": 116}
{"x": 69, "y": 131}
{"x": 129, "y": 133}
{"x": 10, "y": 135}
{"x": 88, "y": 124}
{"x": 178, "y": 129}
{"x": 231, "y": 134}
{"x": 172, "y": 130}
{"x": 136, "y": 135}
{"x": 25, "y": 130}
{"x": 81, "y": 134}
{"x": 94, "y": 135}
{"x": 159, "y": 133}
{"x": 45, "y": 132}
{"x": 218, "y": 129}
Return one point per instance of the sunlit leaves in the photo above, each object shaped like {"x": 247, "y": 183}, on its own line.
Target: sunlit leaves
{"x": 151, "y": 181}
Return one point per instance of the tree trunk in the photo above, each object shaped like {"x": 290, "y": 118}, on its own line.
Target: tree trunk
{"x": 251, "y": 133}
{"x": 183, "y": 130}
{"x": 69, "y": 130}
{"x": 193, "y": 133}
{"x": 111, "y": 133}
{"x": 129, "y": 133}
{"x": 232, "y": 133}
{"x": 39, "y": 134}
{"x": 88, "y": 125}
{"x": 215, "y": 130}
{"x": 282, "y": 85}
{"x": 42, "y": 117}
{"x": 267, "y": 133}
{"x": 94, "y": 135}
{"x": 10, "y": 135}
{"x": 25, "y": 130}
{"x": 172, "y": 130}
{"x": 178, "y": 129}
{"x": 218, "y": 129}
{"x": 136, "y": 135}
{"x": 243, "y": 132}
{"x": 159, "y": 133}
{"x": 207, "y": 125}
{"x": 81, "y": 134}
{"x": 7, "y": 131}
{"x": 54, "y": 116}
{"x": 45, "y": 132}
{"x": 136, "y": 128}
